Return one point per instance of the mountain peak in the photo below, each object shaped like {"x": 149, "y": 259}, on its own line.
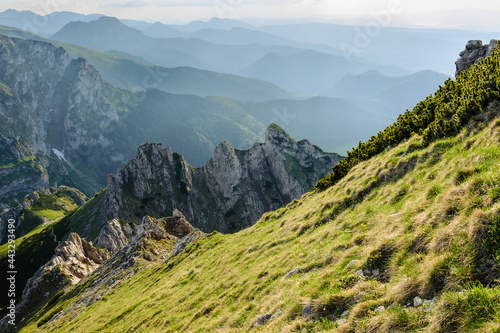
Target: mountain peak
{"x": 276, "y": 134}
{"x": 230, "y": 192}
{"x": 109, "y": 19}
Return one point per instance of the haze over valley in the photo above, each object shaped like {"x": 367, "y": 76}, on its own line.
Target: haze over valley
{"x": 335, "y": 162}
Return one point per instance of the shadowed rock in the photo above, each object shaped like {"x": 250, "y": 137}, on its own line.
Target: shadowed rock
{"x": 474, "y": 51}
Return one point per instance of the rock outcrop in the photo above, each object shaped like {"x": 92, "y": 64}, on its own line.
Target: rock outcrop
{"x": 129, "y": 248}
{"x": 152, "y": 244}
{"x": 76, "y": 258}
{"x": 116, "y": 234}
{"x": 192, "y": 237}
{"x": 230, "y": 192}
{"x": 474, "y": 51}
{"x": 73, "y": 260}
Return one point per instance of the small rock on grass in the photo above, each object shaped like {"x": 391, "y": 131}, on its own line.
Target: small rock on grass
{"x": 277, "y": 313}
{"x": 341, "y": 321}
{"x": 351, "y": 263}
{"x": 296, "y": 270}
{"x": 306, "y": 311}
{"x": 263, "y": 319}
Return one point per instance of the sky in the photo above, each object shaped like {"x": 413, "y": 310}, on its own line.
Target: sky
{"x": 445, "y": 13}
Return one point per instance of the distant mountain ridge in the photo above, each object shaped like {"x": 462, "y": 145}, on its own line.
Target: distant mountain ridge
{"x": 45, "y": 25}
{"x": 134, "y": 73}
{"x": 217, "y": 50}
{"x": 399, "y": 93}
{"x": 213, "y": 23}
{"x": 108, "y": 33}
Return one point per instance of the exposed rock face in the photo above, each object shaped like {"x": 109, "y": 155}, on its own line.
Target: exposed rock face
{"x": 230, "y": 192}
{"x": 192, "y": 237}
{"x": 73, "y": 260}
{"x": 76, "y": 258}
{"x": 130, "y": 247}
{"x": 116, "y": 234}
{"x": 474, "y": 51}
{"x": 25, "y": 175}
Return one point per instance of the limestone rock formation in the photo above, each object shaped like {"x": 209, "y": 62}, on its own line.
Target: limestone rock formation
{"x": 192, "y": 237}
{"x": 77, "y": 258}
{"x": 230, "y": 192}
{"x": 474, "y": 51}
{"x": 129, "y": 248}
{"x": 73, "y": 260}
{"x": 116, "y": 234}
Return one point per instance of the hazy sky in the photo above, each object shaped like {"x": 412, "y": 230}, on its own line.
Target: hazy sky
{"x": 418, "y": 12}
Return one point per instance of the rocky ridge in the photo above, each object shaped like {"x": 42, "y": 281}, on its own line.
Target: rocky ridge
{"x": 116, "y": 234}
{"x": 230, "y": 192}
{"x": 126, "y": 249}
{"x": 474, "y": 51}
{"x": 73, "y": 260}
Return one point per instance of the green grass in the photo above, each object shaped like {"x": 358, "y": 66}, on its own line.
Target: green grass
{"x": 6, "y": 90}
{"x": 423, "y": 222}
{"x": 51, "y": 214}
{"x": 35, "y": 242}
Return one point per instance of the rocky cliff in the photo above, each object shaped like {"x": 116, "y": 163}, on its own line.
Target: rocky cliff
{"x": 21, "y": 172}
{"x": 474, "y": 51}
{"x": 61, "y": 109}
{"x": 230, "y": 192}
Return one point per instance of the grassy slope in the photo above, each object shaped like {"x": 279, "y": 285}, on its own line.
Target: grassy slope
{"x": 426, "y": 216}
{"x": 38, "y": 241}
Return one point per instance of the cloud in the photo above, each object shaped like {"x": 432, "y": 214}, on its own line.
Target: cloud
{"x": 186, "y": 10}
{"x": 162, "y": 3}
{"x": 130, "y": 4}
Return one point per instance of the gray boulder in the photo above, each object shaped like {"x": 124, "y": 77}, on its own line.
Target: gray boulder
{"x": 474, "y": 51}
